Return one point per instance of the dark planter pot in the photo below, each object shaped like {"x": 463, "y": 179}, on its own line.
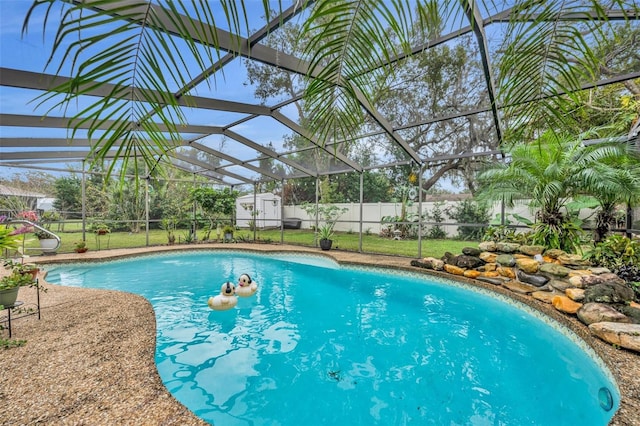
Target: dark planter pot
{"x": 81, "y": 250}
{"x": 326, "y": 244}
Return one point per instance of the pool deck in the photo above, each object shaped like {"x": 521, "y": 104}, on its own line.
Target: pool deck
{"x": 90, "y": 359}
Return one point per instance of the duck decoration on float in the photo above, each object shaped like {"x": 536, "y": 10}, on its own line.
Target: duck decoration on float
{"x": 246, "y": 286}
{"x": 227, "y": 298}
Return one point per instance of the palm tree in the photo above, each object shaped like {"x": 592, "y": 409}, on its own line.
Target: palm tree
{"x": 612, "y": 186}
{"x": 548, "y": 174}
{"x": 145, "y": 59}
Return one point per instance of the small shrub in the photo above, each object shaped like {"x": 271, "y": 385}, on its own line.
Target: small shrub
{"x": 436, "y": 215}
{"x": 11, "y": 343}
{"x": 244, "y": 238}
{"x": 468, "y": 211}
{"x": 615, "y": 251}
{"x": 187, "y": 237}
{"x": 566, "y": 235}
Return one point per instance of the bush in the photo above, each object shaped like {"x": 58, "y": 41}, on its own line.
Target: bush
{"x": 436, "y": 215}
{"x": 468, "y": 211}
{"x": 614, "y": 252}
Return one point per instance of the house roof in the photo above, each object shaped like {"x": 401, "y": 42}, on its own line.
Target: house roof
{"x": 15, "y": 192}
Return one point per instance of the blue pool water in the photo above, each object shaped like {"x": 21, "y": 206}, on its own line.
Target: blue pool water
{"x": 320, "y": 344}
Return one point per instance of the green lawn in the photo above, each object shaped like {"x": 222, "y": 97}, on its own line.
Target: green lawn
{"x": 341, "y": 241}
{"x": 370, "y": 243}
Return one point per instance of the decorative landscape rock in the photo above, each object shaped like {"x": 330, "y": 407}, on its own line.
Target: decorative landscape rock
{"x": 449, "y": 258}
{"x": 591, "y": 313}
{"x": 471, "y": 273}
{"x": 507, "y": 247}
{"x": 554, "y": 253}
{"x": 620, "y": 334}
{"x": 487, "y": 246}
{"x": 611, "y": 278}
{"x": 576, "y": 294}
{"x": 536, "y": 280}
{"x": 554, "y": 270}
{"x": 599, "y": 270}
{"x": 518, "y": 287}
{"x": 608, "y": 293}
{"x": 488, "y": 256}
{"x": 545, "y": 296}
{"x": 579, "y": 273}
{"x": 564, "y": 304}
{"x": 454, "y": 270}
{"x": 506, "y": 260}
{"x": 491, "y": 280}
{"x": 584, "y": 281}
{"x": 490, "y": 267}
{"x": 436, "y": 264}
{"x": 468, "y": 262}
{"x": 429, "y": 263}
{"x": 560, "y": 285}
{"x": 507, "y": 272}
{"x": 471, "y": 251}
{"x": 419, "y": 264}
{"x": 572, "y": 259}
{"x": 631, "y": 312}
{"x": 528, "y": 265}
{"x": 554, "y": 277}
{"x": 532, "y": 250}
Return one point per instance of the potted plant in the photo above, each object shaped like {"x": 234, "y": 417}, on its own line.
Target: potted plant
{"x": 101, "y": 229}
{"x": 47, "y": 242}
{"x": 80, "y": 247}
{"x": 324, "y": 235}
{"x": 10, "y": 285}
{"x": 22, "y": 268}
{"x": 227, "y": 231}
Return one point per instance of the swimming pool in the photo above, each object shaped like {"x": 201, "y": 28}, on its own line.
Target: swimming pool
{"x": 322, "y": 344}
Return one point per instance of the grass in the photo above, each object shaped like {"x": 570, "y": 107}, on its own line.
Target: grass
{"x": 341, "y": 241}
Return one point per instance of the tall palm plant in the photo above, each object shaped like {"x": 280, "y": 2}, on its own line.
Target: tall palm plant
{"x": 612, "y": 186}
{"x": 144, "y": 58}
{"x": 547, "y": 174}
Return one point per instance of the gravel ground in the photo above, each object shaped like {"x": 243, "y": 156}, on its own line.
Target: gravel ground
{"x": 90, "y": 359}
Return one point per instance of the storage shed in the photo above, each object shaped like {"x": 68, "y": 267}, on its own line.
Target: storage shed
{"x": 266, "y": 212}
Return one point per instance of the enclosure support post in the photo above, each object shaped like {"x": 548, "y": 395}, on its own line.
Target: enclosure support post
{"x": 317, "y": 198}
{"x": 254, "y": 212}
{"x": 420, "y": 211}
{"x": 195, "y": 206}
{"x": 84, "y": 202}
{"x": 282, "y": 211}
{"x": 361, "y": 210}
{"x": 146, "y": 204}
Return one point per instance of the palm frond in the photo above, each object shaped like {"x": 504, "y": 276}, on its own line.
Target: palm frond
{"x": 349, "y": 43}
{"x": 546, "y": 60}
{"x": 140, "y": 57}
